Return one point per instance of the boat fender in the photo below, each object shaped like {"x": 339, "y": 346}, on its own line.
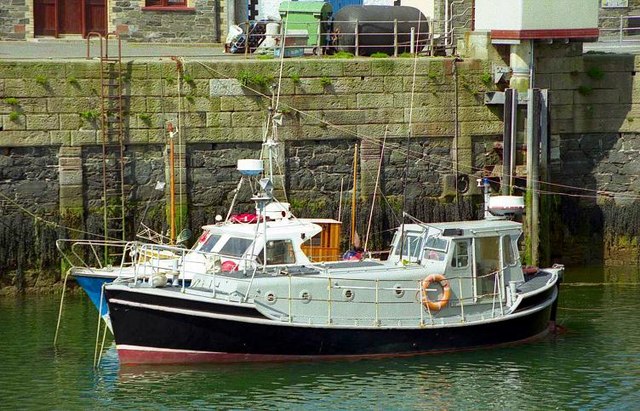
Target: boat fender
{"x": 228, "y": 266}
{"x": 443, "y": 299}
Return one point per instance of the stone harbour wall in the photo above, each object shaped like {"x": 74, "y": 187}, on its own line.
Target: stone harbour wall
{"x": 436, "y": 127}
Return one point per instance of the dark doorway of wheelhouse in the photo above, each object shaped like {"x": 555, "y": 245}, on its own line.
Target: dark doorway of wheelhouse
{"x": 68, "y": 17}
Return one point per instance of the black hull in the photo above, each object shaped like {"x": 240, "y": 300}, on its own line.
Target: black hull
{"x": 160, "y": 332}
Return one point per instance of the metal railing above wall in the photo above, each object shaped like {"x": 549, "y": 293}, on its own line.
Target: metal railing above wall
{"x": 420, "y": 39}
{"x": 620, "y": 29}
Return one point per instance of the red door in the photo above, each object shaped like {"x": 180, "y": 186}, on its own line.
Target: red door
{"x": 95, "y": 16}
{"x": 44, "y": 13}
{"x": 70, "y": 16}
{"x": 54, "y": 17}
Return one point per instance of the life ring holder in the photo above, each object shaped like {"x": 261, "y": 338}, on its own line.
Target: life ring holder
{"x": 443, "y": 299}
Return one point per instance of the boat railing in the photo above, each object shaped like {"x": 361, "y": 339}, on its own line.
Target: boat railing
{"x": 89, "y": 254}
{"x": 380, "y": 299}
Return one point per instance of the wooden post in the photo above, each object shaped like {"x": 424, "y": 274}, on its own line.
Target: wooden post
{"x": 533, "y": 162}
{"x": 353, "y": 194}
{"x": 395, "y": 37}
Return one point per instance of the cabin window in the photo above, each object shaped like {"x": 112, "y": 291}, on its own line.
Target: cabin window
{"x": 411, "y": 246}
{"x": 279, "y": 252}
{"x": 208, "y": 245}
{"x": 487, "y": 261}
{"x": 460, "y": 254}
{"x": 235, "y": 247}
{"x": 508, "y": 256}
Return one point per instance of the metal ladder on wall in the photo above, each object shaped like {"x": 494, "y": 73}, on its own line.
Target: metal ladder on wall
{"x": 112, "y": 130}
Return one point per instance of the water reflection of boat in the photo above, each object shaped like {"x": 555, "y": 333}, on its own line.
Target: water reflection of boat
{"x": 446, "y": 286}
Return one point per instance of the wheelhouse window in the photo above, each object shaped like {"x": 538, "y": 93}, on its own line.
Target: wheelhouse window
{"x": 460, "y": 254}
{"x": 436, "y": 248}
{"x": 209, "y": 243}
{"x": 410, "y": 247}
{"x": 508, "y": 256}
{"x": 278, "y": 252}
{"x": 165, "y": 3}
{"x": 487, "y": 253}
{"x": 235, "y": 247}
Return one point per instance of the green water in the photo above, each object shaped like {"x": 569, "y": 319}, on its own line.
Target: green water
{"x": 595, "y": 364}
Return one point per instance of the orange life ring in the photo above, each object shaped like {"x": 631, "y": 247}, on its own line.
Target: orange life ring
{"x": 443, "y": 299}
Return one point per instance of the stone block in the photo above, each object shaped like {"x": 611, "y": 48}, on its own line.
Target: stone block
{"x": 384, "y": 116}
{"x": 559, "y": 65}
{"x": 73, "y": 105}
{"x": 393, "y": 84}
{"x": 146, "y": 88}
{"x": 82, "y": 70}
{"x": 562, "y": 112}
{"x": 308, "y": 86}
{"x": 248, "y": 119}
{"x": 610, "y": 62}
{"x": 219, "y": 119}
{"x": 71, "y": 195}
{"x": 21, "y": 138}
{"x": 597, "y": 96}
{"x": 162, "y": 70}
{"x": 433, "y": 129}
{"x": 32, "y": 105}
{"x": 83, "y": 137}
{"x": 356, "y": 67}
{"x": 70, "y": 177}
{"x": 225, "y": 87}
{"x": 58, "y": 137}
{"x": 378, "y": 131}
{"x": 194, "y": 119}
{"x": 32, "y": 69}
{"x": 566, "y": 81}
{"x": 374, "y": 100}
{"x": 561, "y": 97}
{"x": 426, "y": 114}
{"x": 69, "y": 121}
{"x": 362, "y": 84}
{"x": 243, "y": 103}
{"x": 329, "y": 133}
{"x": 42, "y": 122}
{"x": 342, "y": 117}
{"x": 476, "y": 128}
{"x": 202, "y": 104}
{"x": 318, "y": 68}
{"x": 18, "y": 123}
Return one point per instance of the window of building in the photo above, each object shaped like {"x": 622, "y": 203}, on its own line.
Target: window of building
{"x": 166, "y": 3}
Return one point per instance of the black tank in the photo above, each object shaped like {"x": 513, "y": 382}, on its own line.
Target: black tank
{"x": 375, "y": 28}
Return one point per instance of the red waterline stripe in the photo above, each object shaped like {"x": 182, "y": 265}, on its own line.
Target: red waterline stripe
{"x": 134, "y": 355}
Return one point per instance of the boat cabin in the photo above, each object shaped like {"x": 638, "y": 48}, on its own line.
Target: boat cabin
{"x": 480, "y": 258}
{"x": 324, "y": 246}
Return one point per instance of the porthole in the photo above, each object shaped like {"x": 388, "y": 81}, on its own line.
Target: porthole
{"x": 270, "y": 297}
{"x": 348, "y": 294}
{"x": 398, "y": 291}
{"x": 305, "y": 296}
